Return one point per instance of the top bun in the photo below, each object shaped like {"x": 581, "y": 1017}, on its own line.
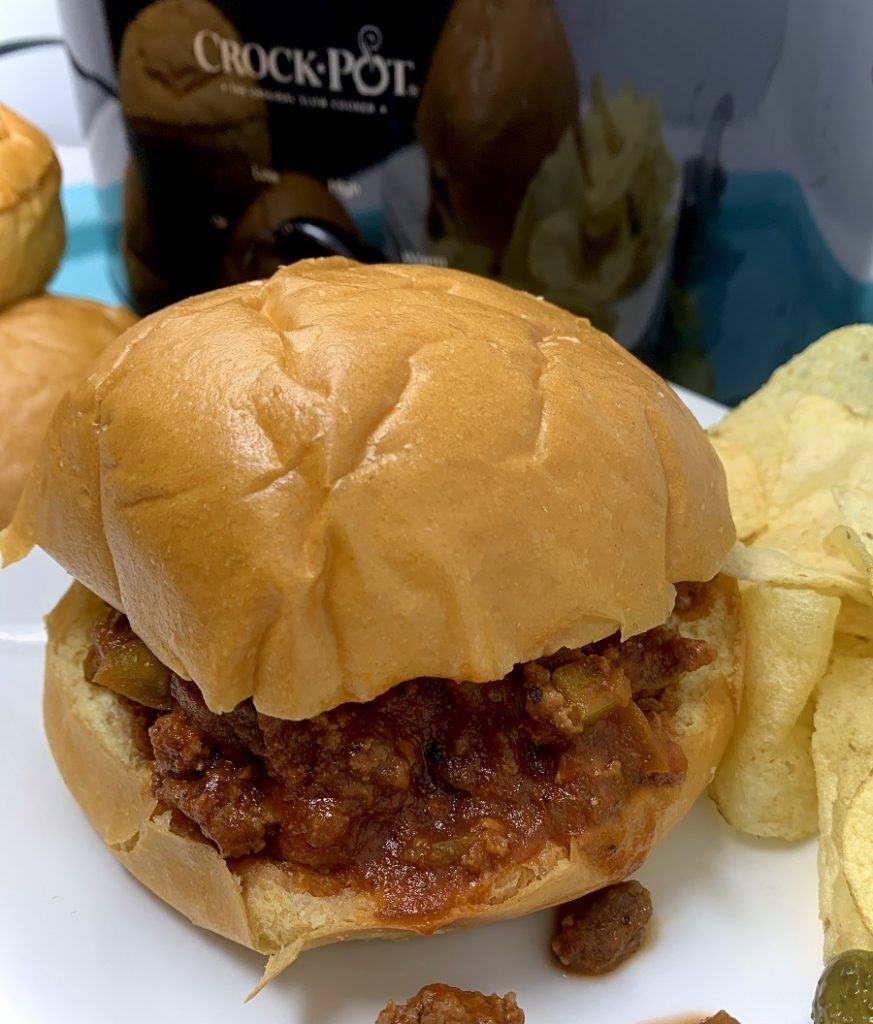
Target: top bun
{"x": 309, "y": 489}
{"x": 32, "y": 232}
{"x": 46, "y": 344}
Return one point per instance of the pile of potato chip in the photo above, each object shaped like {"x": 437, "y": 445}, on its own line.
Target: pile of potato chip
{"x": 799, "y": 461}
{"x": 596, "y": 218}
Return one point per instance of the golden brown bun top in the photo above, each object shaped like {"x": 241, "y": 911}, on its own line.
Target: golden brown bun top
{"x": 46, "y": 344}
{"x": 26, "y": 157}
{"x": 159, "y": 78}
{"x": 500, "y": 92}
{"x": 32, "y": 235}
{"x": 308, "y": 489}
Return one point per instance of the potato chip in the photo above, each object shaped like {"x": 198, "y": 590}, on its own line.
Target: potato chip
{"x": 842, "y": 751}
{"x": 745, "y": 490}
{"x": 856, "y": 842}
{"x": 851, "y": 646}
{"x": 839, "y": 366}
{"x": 824, "y": 449}
{"x": 803, "y": 447}
{"x": 757, "y": 564}
{"x": 841, "y": 544}
{"x": 801, "y": 530}
{"x": 765, "y": 784}
{"x": 855, "y": 619}
{"x": 856, "y": 509}
{"x": 843, "y": 925}
{"x": 825, "y": 443}
{"x": 760, "y": 425}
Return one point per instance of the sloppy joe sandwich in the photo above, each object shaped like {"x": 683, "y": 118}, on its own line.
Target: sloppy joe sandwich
{"x": 46, "y": 344}
{"x": 398, "y": 604}
{"x": 32, "y": 232}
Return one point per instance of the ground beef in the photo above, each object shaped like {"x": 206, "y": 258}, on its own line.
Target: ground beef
{"x": 598, "y": 932}
{"x": 653, "y": 658}
{"x": 215, "y": 787}
{"x": 423, "y": 792}
{"x": 441, "y": 1004}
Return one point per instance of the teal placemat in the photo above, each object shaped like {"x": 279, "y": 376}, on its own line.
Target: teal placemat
{"x": 86, "y": 267}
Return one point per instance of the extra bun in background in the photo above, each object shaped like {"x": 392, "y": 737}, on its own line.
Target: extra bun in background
{"x": 307, "y": 490}
{"x": 46, "y": 344}
{"x": 32, "y": 232}
{"x": 500, "y": 92}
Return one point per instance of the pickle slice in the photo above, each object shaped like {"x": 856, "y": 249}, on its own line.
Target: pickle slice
{"x": 132, "y": 670}
{"x": 592, "y": 694}
{"x": 845, "y": 990}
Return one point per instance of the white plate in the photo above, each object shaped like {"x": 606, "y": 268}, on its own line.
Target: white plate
{"x": 83, "y": 943}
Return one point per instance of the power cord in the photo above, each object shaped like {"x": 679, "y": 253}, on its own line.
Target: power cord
{"x": 17, "y": 45}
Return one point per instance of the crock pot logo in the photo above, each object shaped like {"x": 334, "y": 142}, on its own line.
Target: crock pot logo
{"x": 335, "y": 69}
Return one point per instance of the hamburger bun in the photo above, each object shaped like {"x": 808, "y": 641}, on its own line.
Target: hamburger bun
{"x": 307, "y": 490}
{"x": 393, "y": 420}
{"x": 46, "y": 344}
{"x": 32, "y": 234}
{"x": 500, "y": 92}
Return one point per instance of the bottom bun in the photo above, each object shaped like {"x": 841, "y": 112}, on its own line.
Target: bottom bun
{"x": 92, "y": 734}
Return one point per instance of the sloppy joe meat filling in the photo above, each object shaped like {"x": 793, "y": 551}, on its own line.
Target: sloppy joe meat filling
{"x": 420, "y": 794}
{"x": 443, "y": 1004}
